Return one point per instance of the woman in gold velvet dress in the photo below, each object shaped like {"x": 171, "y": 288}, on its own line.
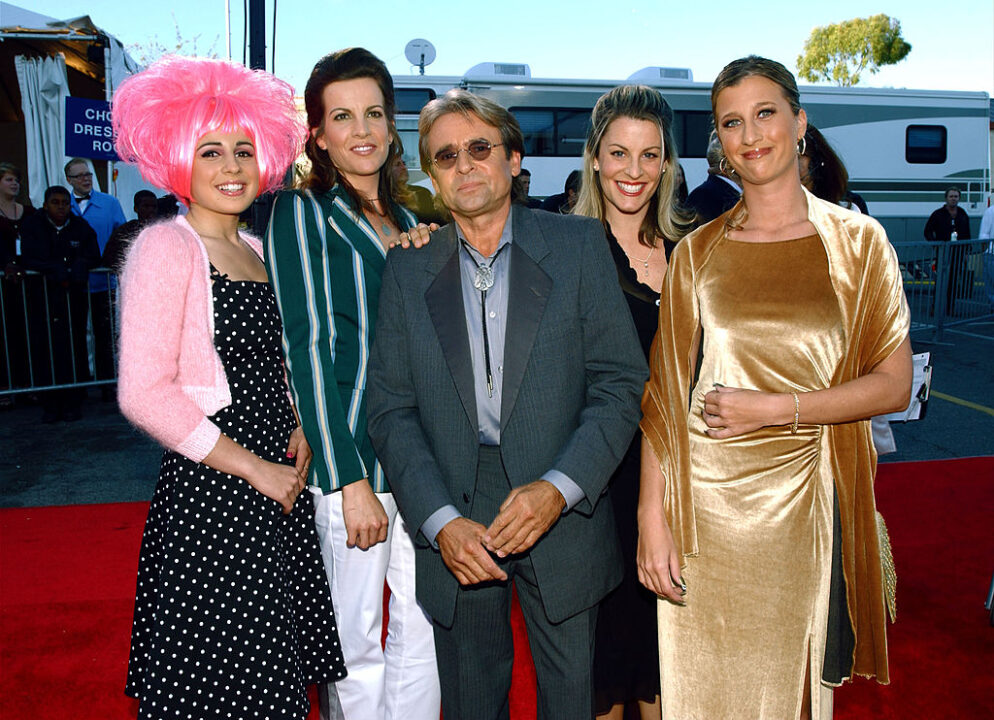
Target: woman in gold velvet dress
{"x": 757, "y": 522}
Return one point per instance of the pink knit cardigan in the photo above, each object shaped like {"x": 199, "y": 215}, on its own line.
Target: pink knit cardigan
{"x": 170, "y": 378}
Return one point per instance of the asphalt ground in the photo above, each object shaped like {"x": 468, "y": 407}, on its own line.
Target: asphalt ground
{"x": 102, "y": 459}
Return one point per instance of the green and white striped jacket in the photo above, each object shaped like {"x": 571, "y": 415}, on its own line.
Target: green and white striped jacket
{"x": 325, "y": 264}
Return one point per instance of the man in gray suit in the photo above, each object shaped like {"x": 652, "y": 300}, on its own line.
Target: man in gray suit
{"x": 504, "y": 388}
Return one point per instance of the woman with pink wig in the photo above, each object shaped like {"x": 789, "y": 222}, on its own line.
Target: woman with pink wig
{"x": 233, "y": 614}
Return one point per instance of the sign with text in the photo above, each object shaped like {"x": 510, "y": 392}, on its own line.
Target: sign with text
{"x": 88, "y": 129}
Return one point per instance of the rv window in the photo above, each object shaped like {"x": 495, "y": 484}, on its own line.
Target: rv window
{"x": 553, "y": 132}
{"x": 692, "y": 129}
{"x": 409, "y": 140}
{"x": 407, "y": 128}
{"x": 925, "y": 144}
{"x": 561, "y": 132}
{"x": 411, "y": 100}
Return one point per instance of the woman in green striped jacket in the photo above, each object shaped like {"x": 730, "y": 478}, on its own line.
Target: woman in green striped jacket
{"x": 326, "y": 247}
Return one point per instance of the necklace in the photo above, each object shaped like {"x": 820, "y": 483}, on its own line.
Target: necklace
{"x": 385, "y": 229}
{"x": 644, "y": 261}
{"x": 9, "y": 217}
{"x": 483, "y": 281}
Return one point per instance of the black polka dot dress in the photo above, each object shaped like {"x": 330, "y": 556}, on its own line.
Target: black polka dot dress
{"x": 233, "y": 615}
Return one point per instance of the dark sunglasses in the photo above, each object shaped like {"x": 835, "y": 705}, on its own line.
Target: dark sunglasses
{"x": 479, "y": 150}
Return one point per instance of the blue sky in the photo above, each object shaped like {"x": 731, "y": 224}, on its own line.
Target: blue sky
{"x": 952, "y": 44}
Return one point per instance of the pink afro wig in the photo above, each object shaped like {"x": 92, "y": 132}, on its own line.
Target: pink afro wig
{"x": 160, "y": 114}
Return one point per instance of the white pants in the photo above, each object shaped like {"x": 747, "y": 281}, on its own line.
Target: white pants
{"x": 399, "y": 682}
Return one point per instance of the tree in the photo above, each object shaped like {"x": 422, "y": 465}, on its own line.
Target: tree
{"x": 151, "y": 50}
{"x": 841, "y": 52}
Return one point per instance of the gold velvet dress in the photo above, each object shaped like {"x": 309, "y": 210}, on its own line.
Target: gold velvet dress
{"x": 753, "y": 515}
{"x": 763, "y": 500}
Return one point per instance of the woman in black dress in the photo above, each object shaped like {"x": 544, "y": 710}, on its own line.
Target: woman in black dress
{"x": 233, "y": 614}
{"x": 13, "y": 369}
{"x": 629, "y": 183}
{"x": 12, "y": 212}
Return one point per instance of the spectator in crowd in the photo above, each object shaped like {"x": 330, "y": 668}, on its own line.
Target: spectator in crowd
{"x": 104, "y": 214}
{"x": 950, "y": 222}
{"x": 680, "y": 186}
{"x": 824, "y": 174}
{"x": 521, "y": 188}
{"x": 987, "y": 233}
{"x": 326, "y": 248}
{"x": 167, "y": 207}
{"x": 564, "y": 202}
{"x": 63, "y": 248}
{"x": 12, "y": 213}
{"x": 629, "y": 165}
{"x": 233, "y": 614}
{"x": 503, "y": 391}
{"x": 719, "y": 192}
{"x": 13, "y": 344}
{"x": 757, "y": 521}
{"x": 948, "y": 219}
{"x": 420, "y": 200}
{"x": 146, "y": 208}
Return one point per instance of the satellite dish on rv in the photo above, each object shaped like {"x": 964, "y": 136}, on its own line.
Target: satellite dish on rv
{"x": 420, "y": 52}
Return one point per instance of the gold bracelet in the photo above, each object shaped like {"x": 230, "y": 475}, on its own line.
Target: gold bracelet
{"x": 797, "y": 414}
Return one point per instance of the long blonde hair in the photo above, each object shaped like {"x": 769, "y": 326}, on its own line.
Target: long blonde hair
{"x": 665, "y": 218}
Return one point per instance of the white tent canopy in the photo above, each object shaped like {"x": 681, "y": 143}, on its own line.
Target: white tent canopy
{"x": 54, "y": 45}
{"x": 14, "y": 16}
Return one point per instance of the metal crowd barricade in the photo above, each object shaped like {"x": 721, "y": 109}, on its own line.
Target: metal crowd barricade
{"x": 48, "y": 344}
{"x": 948, "y": 284}
{"x": 48, "y": 338}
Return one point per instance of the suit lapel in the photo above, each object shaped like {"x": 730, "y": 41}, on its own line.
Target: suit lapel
{"x": 528, "y": 294}
{"x": 352, "y": 227}
{"x": 445, "y": 307}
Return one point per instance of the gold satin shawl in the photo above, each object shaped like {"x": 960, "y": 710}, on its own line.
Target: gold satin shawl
{"x": 866, "y": 278}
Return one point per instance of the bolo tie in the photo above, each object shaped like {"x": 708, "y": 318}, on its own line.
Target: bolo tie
{"x": 483, "y": 281}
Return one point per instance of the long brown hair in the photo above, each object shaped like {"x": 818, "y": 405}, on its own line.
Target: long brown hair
{"x": 826, "y": 172}
{"x": 350, "y": 64}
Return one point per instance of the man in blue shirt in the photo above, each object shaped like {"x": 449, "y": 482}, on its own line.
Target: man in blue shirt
{"x": 104, "y": 214}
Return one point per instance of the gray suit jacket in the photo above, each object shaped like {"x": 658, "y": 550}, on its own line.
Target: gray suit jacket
{"x": 573, "y": 379}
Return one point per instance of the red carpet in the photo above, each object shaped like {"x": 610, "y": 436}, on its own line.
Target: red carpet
{"x": 67, "y": 578}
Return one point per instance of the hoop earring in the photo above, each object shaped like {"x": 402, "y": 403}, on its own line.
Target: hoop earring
{"x": 725, "y": 168}
{"x": 802, "y": 145}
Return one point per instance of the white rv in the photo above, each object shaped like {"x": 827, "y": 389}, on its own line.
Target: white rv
{"x": 902, "y": 148}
